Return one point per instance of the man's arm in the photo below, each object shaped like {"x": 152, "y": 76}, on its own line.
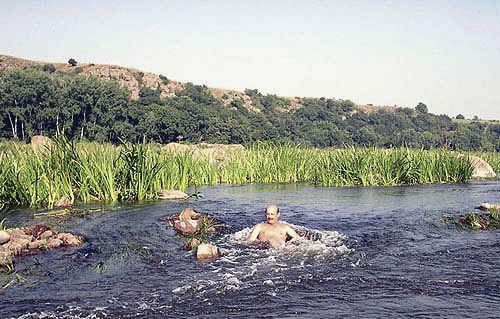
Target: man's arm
{"x": 254, "y": 233}
{"x": 291, "y": 232}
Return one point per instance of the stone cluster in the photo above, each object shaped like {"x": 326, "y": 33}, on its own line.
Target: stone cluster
{"x": 188, "y": 223}
{"x": 17, "y": 241}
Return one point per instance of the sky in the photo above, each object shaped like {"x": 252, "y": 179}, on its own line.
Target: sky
{"x": 445, "y": 54}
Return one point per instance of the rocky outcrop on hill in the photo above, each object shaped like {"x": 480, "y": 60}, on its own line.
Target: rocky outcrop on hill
{"x": 134, "y": 80}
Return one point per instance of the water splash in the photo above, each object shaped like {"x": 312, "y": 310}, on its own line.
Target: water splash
{"x": 246, "y": 267}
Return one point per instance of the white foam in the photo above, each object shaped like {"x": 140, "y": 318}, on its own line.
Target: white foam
{"x": 244, "y": 266}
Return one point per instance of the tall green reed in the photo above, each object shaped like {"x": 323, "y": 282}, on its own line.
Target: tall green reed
{"x": 101, "y": 172}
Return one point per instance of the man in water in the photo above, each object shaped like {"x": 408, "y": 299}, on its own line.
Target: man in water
{"x": 273, "y": 232}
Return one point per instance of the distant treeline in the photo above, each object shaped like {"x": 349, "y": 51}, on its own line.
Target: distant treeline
{"x": 37, "y": 101}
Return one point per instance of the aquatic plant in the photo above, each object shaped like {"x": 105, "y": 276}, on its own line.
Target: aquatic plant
{"x": 102, "y": 172}
{"x": 480, "y": 221}
{"x": 207, "y": 229}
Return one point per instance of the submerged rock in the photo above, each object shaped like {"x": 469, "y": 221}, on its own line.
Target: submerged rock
{"x": 170, "y": 194}
{"x": 207, "y": 251}
{"x": 4, "y": 237}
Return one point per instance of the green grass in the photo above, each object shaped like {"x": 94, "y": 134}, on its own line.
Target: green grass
{"x": 101, "y": 172}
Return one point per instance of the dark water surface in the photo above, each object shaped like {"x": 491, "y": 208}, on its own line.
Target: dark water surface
{"x": 379, "y": 252}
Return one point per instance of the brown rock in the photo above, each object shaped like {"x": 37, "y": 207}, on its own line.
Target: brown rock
{"x": 187, "y": 227}
{"x": 54, "y": 243}
{"x": 4, "y": 237}
{"x": 192, "y": 244}
{"x": 37, "y": 244}
{"x": 46, "y": 234}
{"x": 36, "y": 230}
{"x": 5, "y": 257}
{"x": 172, "y": 194}
{"x": 18, "y": 241}
{"x": 207, "y": 251}
{"x": 189, "y": 214}
{"x": 69, "y": 239}
{"x": 40, "y": 143}
{"x": 64, "y": 202}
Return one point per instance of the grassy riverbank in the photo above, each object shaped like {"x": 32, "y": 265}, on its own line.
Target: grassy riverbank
{"x": 100, "y": 172}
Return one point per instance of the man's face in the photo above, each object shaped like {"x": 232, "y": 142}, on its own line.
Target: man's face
{"x": 272, "y": 215}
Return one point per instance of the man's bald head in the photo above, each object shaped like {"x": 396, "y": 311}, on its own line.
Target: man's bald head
{"x": 272, "y": 214}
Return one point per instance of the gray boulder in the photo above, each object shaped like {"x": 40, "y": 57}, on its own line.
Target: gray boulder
{"x": 170, "y": 194}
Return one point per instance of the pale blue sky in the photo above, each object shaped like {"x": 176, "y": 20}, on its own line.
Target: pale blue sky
{"x": 443, "y": 53}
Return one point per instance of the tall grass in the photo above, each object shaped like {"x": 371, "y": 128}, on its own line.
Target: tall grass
{"x": 100, "y": 172}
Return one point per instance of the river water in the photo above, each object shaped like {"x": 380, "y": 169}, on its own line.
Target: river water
{"x": 373, "y": 252}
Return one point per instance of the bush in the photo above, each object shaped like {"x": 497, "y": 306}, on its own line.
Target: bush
{"x": 49, "y": 68}
{"x": 164, "y": 79}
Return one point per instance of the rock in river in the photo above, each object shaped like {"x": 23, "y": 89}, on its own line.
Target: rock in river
{"x": 172, "y": 194}
{"x": 4, "y": 237}
{"x": 207, "y": 251}
{"x": 489, "y": 207}
{"x": 187, "y": 222}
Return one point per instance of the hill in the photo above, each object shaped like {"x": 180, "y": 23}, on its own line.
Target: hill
{"x": 111, "y": 103}
{"x": 134, "y": 80}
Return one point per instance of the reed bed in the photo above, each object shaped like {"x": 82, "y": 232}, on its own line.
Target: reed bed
{"x": 100, "y": 172}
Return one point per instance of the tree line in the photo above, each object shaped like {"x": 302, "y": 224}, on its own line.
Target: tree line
{"x": 37, "y": 101}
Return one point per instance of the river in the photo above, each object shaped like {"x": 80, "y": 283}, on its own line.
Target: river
{"x": 374, "y": 252}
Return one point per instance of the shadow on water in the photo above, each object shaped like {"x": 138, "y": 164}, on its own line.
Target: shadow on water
{"x": 376, "y": 252}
